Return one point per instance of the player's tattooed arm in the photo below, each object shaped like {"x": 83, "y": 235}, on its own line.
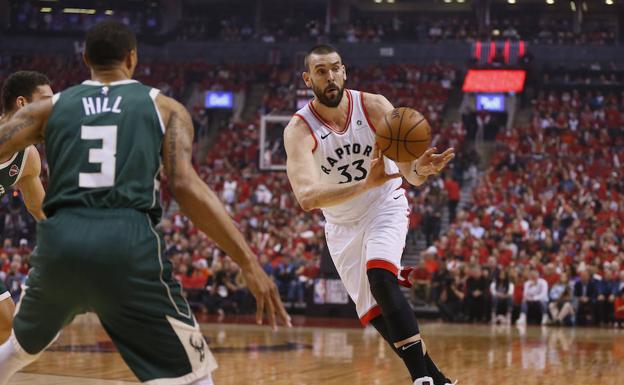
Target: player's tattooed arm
{"x": 24, "y": 128}
{"x": 207, "y": 212}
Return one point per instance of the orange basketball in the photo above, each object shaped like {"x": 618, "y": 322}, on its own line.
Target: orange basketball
{"x": 404, "y": 134}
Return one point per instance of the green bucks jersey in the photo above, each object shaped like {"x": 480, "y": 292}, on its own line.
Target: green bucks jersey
{"x": 11, "y": 170}
{"x": 103, "y": 144}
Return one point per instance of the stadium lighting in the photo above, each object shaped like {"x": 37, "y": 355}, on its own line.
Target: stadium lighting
{"x": 79, "y": 10}
{"x": 46, "y": 10}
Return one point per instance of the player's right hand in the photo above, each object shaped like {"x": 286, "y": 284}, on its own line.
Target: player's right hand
{"x": 267, "y": 297}
{"x": 377, "y": 174}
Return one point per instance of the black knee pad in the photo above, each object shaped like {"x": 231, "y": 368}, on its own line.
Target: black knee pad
{"x": 385, "y": 288}
{"x": 397, "y": 313}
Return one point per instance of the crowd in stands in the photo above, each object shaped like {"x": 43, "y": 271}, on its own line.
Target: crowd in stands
{"x": 592, "y": 76}
{"x": 225, "y": 23}
{"x": 28, "y": 17}
{"x": 375, "y": 28}
{"x": 542, "y": 239}
{"x": 540, "y": 242}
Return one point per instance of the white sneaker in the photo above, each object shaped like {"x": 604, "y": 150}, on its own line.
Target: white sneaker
{"x": 521, "y": 320}
{"x": 424, "y": 381}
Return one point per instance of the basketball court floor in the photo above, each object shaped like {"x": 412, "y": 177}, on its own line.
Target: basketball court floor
{"x": 314, "y": 355}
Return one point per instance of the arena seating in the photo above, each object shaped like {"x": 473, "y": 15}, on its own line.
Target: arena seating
{"x": 550, "y": 200}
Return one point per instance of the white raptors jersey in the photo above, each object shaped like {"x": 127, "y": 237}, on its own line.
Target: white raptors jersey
{"x": 345, "y": 158}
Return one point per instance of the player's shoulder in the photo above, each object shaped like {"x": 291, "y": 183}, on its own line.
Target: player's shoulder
{"x": 298, "y": 126}
{"x": 167, "y": 105}
{"x": 373, "y": 101}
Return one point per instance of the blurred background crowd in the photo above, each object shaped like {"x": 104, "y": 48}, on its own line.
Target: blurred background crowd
{"x": 526, "y": 225}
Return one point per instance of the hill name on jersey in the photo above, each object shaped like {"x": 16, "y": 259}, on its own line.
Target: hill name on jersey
{"x": 98, "y": 105}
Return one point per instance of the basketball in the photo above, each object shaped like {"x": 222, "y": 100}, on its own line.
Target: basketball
{"x": 404, "y": 134}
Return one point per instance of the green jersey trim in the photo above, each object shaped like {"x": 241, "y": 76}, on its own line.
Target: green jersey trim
{"x": 23, "y": 165}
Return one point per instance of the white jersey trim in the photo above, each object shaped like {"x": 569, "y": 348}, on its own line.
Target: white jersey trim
{"x": 368, "y": 119}
{"x": 8, "y": 162}
{"x": 117, "y": 83}
{"x": 326, "y": 124}
{"x": 153, "y": 93}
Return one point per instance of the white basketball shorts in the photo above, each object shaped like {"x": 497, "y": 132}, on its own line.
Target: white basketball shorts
{"x": 375, "y": 241}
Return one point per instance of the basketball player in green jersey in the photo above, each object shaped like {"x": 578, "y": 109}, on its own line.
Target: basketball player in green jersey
{"x": 21, "y": 169}
{"x": 98, "y": 249}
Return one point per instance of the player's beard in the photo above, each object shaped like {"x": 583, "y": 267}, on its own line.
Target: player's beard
{"x": 323, "y": 95}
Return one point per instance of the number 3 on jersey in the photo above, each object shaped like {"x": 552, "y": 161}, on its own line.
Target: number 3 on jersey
{"x": 105, "y": 156}
{"x": 344, "y": 171}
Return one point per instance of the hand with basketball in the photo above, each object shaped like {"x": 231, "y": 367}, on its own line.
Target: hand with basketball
{"x": 405, "y": 136}
{"x": 431, "y": 163}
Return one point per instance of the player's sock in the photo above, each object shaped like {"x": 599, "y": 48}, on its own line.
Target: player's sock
{"x": 400, "y": 321}
{"x": 438, "y": 377}
{"x": 412, "y": 355}
{"x": 12, "y": 359}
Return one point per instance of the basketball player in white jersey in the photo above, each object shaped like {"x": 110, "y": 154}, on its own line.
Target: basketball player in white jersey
{"x": 334, "y": 165}
{"x": 21, "y": 169}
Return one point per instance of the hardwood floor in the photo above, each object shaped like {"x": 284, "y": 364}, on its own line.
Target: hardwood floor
{"x": 249, "y": 354}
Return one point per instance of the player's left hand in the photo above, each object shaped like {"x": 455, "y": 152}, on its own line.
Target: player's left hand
{"x": 431, "y": 163}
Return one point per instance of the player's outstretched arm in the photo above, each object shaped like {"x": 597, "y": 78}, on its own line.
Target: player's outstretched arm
{"x": 206, "y": 211}
{"x": 417, "y": 171}
{"x": 30, "y": 184}
{"x": 25, "y": 127}
{"x": 305, "y": 179}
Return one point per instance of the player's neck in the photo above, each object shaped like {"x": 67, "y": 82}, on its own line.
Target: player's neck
{"x": 337, "y": 115}
{"x": 107, "y": 76}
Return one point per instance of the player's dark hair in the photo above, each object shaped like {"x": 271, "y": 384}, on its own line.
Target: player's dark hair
{"x": 108, "y": 43}
{"x": 321, "y": 49}
{"x": 21, "y": 83}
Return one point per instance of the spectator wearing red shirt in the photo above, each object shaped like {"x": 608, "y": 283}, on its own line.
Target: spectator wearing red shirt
{"x": 550, "y": 275}
{"x": 421, "y": 282}
{"x": 453, "y": 191}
